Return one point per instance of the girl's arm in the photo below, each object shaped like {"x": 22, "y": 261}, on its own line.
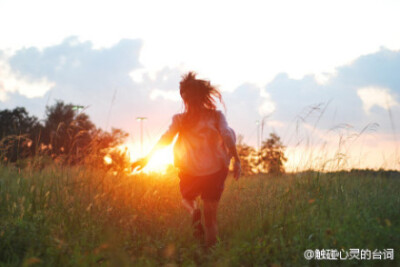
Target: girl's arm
{"x": 233, "y": 153}
{"x": 165, "y": 140}
{"x": 229, "y": 137}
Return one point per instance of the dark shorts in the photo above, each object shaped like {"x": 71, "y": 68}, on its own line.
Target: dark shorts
{"x": 209, "y": 187}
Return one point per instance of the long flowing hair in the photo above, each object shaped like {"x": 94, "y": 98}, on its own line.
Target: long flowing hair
{"x": 199, "y": 96}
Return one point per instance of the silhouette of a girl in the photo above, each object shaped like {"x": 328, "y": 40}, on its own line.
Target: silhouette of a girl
{"x": 202, "y": 153}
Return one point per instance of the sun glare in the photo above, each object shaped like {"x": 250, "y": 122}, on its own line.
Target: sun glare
{"x": 107, "y": 160}
{"x": 160, "y": 161}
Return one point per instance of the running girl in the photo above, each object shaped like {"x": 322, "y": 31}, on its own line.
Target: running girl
{"x": 202, "y": 152}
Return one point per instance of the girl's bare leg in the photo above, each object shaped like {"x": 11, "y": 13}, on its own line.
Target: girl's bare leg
{"x": 189, "y": 205}
{"x": 192, "y": 208}
{"x": 210, "y": 219}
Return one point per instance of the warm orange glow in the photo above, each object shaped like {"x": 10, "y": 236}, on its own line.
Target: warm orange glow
{"x": 370, "y": 151}
{"x": 159, "y": 162}
{"x": 107, "y": 160}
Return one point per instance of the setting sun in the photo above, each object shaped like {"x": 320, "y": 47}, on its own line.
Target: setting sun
{"x": 160, "y": 161}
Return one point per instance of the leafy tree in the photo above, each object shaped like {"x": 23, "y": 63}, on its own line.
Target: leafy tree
{"x": 19, "y": 134}
{"x": 102, "y": 144}
{"x": 67, "y": 132}
{"x": 246, "y": 154}
{"x": 103, "y": 140}
{"x": 272, "y": 155}
{"x": 67, "y": 135}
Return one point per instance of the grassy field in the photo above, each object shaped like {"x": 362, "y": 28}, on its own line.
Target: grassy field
{"x": 64, "y": 216}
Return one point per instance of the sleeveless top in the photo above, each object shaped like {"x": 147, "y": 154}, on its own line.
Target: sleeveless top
{"x": 202, "y": 145}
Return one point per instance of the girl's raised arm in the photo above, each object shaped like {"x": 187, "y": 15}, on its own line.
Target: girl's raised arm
{"x": 229, "y": 138}
{"x": 164, "y": 140}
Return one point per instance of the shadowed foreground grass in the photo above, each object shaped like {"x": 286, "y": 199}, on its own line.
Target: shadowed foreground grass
{"x": 73, "y": 216}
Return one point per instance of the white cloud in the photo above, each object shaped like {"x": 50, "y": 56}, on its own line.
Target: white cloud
{"x": 11, "y": 82}
{"x": 3, "y": 95}
{"x": 137, "y": 75}
{"x": 270, "y": 37}
{"x": 267, "y": 106}
{"x": 376, "y": 96}
{"x": 168, "y": 95}
{"x": 323, "y": 78}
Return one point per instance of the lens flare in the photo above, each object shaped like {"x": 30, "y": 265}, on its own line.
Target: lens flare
{"x": 107, "y": 160}
{"x": 160, "y": 161}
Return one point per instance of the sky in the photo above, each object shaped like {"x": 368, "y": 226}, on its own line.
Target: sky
{"x": 323, "y": 75}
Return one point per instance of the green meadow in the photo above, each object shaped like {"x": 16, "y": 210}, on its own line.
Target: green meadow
{"x": 73, "y": 216}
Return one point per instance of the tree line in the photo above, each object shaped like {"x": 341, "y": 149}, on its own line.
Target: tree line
{"x": 270, "y": 158}
{"x": 68, "y": 136}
